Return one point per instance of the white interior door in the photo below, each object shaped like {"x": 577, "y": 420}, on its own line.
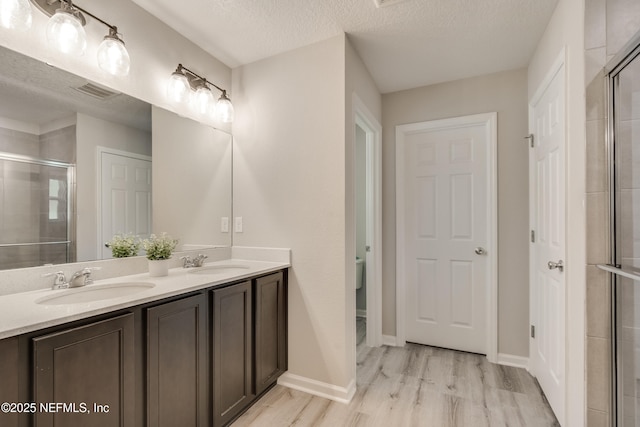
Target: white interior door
{"x": 125, "y": 197}
{"x": 547, "y": 216}
{"x": 447, "y": 230}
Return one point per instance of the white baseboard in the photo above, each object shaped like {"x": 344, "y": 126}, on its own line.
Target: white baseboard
{"x": 361, "y": 313}
{"x": 515, "y": 361}
{"x": 389, "y": 340}
{"x": 319, "y": 388}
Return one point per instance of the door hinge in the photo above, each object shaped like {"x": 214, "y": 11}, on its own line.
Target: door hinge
{"x": 533, "y": 331}
{"x": 533, "y": 236}
{"x": 530, "y": 138}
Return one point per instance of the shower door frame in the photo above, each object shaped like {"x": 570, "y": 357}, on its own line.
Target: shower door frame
{"x": 71, "y": 202}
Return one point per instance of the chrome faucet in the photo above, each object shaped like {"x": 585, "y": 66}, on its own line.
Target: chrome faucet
{"x": 187, "y": 262}
{"x": 81, "y": 278}
{"x": 78, "y": 279}
{"x": 60, "y": 281}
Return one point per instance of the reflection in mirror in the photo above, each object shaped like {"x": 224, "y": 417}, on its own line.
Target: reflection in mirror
{"x": 76, "y": 167}
{"x": 192, "y": 181}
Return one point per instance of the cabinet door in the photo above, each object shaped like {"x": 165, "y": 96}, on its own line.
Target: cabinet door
{"x": 232, "y": 351}
{"x": 271, "y": 329}
{"x": 84, "y": 367}
{"x": 177, "y": 363}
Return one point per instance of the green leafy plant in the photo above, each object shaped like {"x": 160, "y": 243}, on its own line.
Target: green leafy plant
{"x": 124, "y": 245}
{"x": 159, "y": 247}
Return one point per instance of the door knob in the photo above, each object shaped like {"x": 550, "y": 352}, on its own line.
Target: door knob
{"x": 553, "y": 265}
{"x": 480, "y": 251}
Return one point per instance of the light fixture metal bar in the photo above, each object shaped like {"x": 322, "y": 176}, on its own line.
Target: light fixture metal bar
{"x": 193, "y": 74}
{"x": 111, "y": 27}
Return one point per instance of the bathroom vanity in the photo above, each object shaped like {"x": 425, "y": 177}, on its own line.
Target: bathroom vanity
{"x": 197, "y": 348}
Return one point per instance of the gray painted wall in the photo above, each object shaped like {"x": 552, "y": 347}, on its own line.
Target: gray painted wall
{"x": 505, "y": 93}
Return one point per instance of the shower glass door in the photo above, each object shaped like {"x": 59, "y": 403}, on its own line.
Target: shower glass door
{"x": 625, "y": 174}
{"x": 35, "y": 212}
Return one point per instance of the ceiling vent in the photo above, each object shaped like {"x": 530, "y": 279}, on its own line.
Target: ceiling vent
{"x": 96, "y": 91}
{"x": 385, "y": 3}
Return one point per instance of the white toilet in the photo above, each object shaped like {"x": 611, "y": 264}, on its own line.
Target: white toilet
{"x": 359, "y": 272}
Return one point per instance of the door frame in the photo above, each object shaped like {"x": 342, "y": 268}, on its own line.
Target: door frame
{"x": 558, "y": 66}
{"x": 366, "y": 120}
{"x": 108, "y": 150}
{"x": 490, "y": 120}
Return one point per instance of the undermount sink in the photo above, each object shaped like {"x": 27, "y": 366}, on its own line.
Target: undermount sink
{"x": 219, "y": 269}
{"x": 93, "y": 293}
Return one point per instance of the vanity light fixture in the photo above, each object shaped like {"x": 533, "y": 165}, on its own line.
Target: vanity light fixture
{"x": 15, "y": 14}
{"x": 185, "y": 86}
{"x": 65, "y": 32}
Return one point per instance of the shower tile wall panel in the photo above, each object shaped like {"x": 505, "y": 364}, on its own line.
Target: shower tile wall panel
{"x": 609, "y": 25}
{"x": 16, "y": 142}
{"x": 59, "y": 145}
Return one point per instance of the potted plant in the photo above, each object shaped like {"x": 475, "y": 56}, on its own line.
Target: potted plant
{"x": 159, "y": 249}
{"x": 124, "y": 245}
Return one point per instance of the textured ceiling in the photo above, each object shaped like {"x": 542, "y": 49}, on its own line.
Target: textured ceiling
{"x": 406, "y": 44}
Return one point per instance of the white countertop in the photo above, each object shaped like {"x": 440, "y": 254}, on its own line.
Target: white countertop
{"x": 21, "y": 313}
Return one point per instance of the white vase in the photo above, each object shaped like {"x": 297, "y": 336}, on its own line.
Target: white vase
{"x": 158, "y": 268}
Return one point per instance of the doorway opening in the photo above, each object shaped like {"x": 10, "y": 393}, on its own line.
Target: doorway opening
{"x": 367, "y": 283}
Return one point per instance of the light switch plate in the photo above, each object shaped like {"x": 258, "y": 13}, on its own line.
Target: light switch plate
{"x": 224, "y": 224}
{"x": 238, "y": 227}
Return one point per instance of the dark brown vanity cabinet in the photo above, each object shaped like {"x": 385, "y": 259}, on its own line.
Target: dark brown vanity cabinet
{"x": 177, "y": 363}
{"x": 249, "y": 343}
{"x": 9, "y": 379}
{"x": 270, "y": 330}
{"x": 232, "y": 351}
{"x": 198, "y": 359}
{"x": 91, "y": 369}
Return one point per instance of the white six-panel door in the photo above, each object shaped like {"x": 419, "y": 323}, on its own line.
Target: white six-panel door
{"x": 125, "y": 197}
{"x": 446, "y": 230}
{"x": 547, "y": 216}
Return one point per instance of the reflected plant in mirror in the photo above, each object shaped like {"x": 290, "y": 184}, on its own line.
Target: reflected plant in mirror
{"x": 124, "y": 245}
{"x": 79, "y": 163}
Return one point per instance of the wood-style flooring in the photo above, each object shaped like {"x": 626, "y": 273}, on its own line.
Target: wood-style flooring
{"x": 414, "y": 386}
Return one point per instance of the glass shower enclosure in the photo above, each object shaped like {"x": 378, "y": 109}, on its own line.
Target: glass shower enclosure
{"x": 624, "y": 168}
{"x": 36, "y": 205}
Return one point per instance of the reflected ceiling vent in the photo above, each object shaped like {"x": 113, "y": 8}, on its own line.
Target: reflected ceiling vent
{"x": 96, "y": 91}
{"x": 385, "y": 3}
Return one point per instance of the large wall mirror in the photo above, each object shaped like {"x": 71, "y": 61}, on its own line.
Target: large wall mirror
{"x": 80, "y": 163}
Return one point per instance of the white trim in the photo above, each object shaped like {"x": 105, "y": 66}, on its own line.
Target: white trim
{"x": 512, "y": 360}
{"x": 390, "y": 340}
{"x": 490, "y": 120}
{"x": 98, "y": 168}
{"x": 367, "y": 121}
{"x": 319, "y": 388}
{"x": 361, "y": 313}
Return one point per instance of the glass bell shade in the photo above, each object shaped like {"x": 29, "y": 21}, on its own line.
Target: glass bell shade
{"x": 113, "y": 56}
{"x": 66, "y": 33}
{"x": 224, "y": 109}
{"x": 203, "y": 100}
{"x": 15, "y": 14}
{"x": 178, "y": 88}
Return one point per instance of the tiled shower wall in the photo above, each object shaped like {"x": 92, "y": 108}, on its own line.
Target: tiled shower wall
{"x": 609, "y": 25}
{"x": 26, "y": 187}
